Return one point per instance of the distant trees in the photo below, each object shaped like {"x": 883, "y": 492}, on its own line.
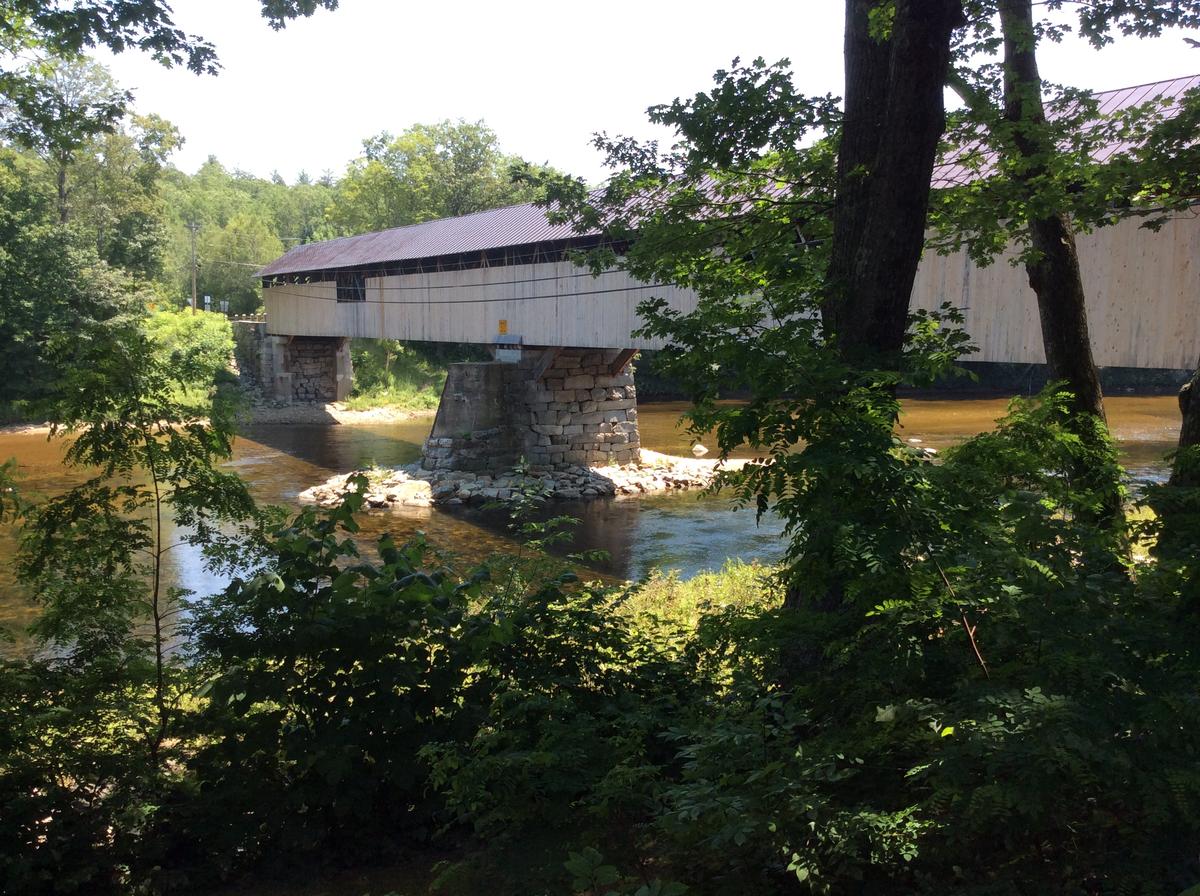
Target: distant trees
{"x": 231, "y": 254}
{"x": 118, "y": 194}
{"x": 429, "y": 171}
{"x": 53, "y": 286}
{"x": 60, "y": 109}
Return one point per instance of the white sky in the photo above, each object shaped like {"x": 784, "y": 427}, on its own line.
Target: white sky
{"x": 543, "y": 75}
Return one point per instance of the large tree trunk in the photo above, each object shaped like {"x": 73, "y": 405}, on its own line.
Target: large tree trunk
{"x": 1178, "y": 505}
{"x": 1186, "y": 472}
{"x": 1054, "y": 273}
{"x": 894, "y": 118}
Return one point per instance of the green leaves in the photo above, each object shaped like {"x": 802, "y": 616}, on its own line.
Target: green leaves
{"x": 1092, "y": 168}
{"x": 430, "y": 171}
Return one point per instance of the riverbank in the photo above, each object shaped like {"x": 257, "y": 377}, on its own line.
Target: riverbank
{"x": 412, "y": 486}
{"x": 333, "y": 414}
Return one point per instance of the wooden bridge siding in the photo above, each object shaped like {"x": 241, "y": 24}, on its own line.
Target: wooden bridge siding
{"x": 548, "y": 305}
{"x": 1143, "y": 292}
{"x": 1143, "y": 299}
{"x": 302, "y": 309}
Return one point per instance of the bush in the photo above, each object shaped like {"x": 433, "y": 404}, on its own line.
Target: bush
{"x": 326, "y": 677}
{"x": 195, "y": 348}
{"x": 1011, "y": 711}
{"x": 1010, "y": 707}
{"x": 406, "y": 375}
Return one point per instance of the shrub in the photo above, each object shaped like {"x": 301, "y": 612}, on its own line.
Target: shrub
{"x": 194, "y": 348}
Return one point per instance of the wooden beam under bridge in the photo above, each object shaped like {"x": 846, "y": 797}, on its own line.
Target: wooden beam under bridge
{"x": 621, "y": 361}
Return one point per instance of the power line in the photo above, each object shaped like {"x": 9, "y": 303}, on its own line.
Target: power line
{"x": 283, "y": 293}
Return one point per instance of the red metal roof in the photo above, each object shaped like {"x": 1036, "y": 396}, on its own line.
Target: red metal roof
{"x": 514, "y": 225}
{"x": 951, "y": 173}
{"x": 521, "y": 225}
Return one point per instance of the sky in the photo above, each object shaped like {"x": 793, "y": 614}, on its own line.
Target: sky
{"x": 544, "y": 75}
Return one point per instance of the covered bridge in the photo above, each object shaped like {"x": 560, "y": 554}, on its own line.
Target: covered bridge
{"x": 503, "y": 278}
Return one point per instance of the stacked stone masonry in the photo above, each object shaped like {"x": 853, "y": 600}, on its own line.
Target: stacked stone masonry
{"x": 313, "y": 368}
{"x": 293, "y": 368}
{"x": 577, "y": 413}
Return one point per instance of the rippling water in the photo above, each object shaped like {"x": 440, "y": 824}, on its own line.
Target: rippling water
{"x": 682, "y": 531}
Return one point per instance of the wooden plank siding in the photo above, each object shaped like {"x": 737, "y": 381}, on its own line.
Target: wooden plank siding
{"x": 1143, "y": 293}
{"x": 545, "y": 304}
{"x": 1143, "y": 296}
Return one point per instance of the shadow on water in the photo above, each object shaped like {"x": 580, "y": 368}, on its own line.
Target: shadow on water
{"x": 333, "y": 449}
{"x": 683, "y": 531}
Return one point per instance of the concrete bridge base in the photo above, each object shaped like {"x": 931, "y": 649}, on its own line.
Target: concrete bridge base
{"x": 294, "y": 368}
{"x": 555, "y": 408}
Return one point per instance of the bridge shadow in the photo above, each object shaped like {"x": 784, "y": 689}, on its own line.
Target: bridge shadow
{"x": 338, "y": 448}
{"x": 603, "y": 525}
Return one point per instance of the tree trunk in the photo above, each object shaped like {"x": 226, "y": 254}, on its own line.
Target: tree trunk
{"x": 894, "y": 118}
{"x": 1186, "y": 472}
{"x": 1054, "y": 273}
{"x": 1178, "y": 505}
{"x": 64, "y": 213}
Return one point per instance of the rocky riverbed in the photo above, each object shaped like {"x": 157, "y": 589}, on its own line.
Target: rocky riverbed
{"x": 411, "y": 486}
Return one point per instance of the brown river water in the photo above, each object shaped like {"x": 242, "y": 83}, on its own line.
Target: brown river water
{"x": 685, "y": 532}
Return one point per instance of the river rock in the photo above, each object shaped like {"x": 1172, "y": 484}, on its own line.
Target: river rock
{"x": 413, "y": 486}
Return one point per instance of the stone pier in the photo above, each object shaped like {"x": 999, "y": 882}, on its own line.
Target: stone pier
{"x": 293, "y": 368}
{"x": 554, "y": 408}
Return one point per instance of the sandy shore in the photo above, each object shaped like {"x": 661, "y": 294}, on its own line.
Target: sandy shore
{"x": 335, "y": 414}
{"x": 25, "y": 429}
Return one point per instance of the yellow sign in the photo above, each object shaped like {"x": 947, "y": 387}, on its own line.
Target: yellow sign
{"x": 503, "y": 327}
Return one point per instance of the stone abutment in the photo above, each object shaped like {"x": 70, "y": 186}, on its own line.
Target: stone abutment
{"x": 307, "y": 369}
{"x": 557, "y": 408}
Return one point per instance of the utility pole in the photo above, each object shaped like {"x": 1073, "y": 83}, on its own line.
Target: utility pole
{"x": 193, "y": 227}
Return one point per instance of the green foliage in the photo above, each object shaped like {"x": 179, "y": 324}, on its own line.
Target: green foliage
{"x": 388, "y": 372}
{"x": 230, "y": 255}
{"x": 968, "y": 687}
{"x": 60, "y": 109}
{"x": 429, "y": 171}
{"x": 90, "y": 731}
{"x": 326, "y": 675}
{"x": 1007, "y": 702}
{"x": 118, "y": 197}
{"x": 142, "y": 24}
{"x": 54, "y": 292}
{"x": 1096, "y": 169}
{"x": 738, "y": 585}
{"x": 241, "y": 223}
{"x": 194, "y": 350}
{"x": 1001, "y": 704}
{"x": 76, "y": 785}
{"x": 739, "y": 211}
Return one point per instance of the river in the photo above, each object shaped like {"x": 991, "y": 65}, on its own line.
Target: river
{"x": 685, "y": 532}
